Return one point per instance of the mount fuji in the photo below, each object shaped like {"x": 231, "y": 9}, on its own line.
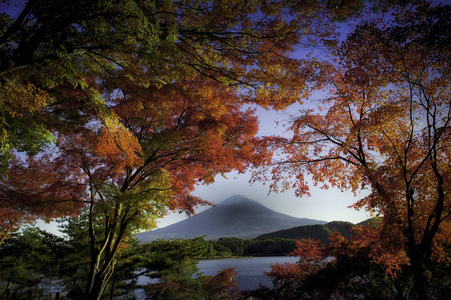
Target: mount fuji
{"x": 237, "y": 216}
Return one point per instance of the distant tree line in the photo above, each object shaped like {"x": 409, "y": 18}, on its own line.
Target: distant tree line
{"x": 230, "y": 246}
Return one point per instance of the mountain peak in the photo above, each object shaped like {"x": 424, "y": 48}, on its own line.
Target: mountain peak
{"x": 237, "y": 200}
{"x": 237, "y": 216}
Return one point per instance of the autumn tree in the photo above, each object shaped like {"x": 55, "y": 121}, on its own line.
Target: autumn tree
{"x": 374, "y": 256}
{"x": 351, "y": 269}
{"x": 46, "y": 45}
{"x": 61, "y": 62}
{"x": 384, "y": 124}
{"x": 170, "y": 139}
{"x": 54, "y": 52}
{"x": 140, "y": 101}
{"x": 289, "y": 278}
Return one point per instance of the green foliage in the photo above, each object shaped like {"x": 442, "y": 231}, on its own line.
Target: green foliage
{"x": 75, "y": 262}
{"x": 29, "y": 136}
{"x": 235, "y": 246}
{"x": 35, "y": 260}
{"x": 174, "y": 264}
{"x": 227, "y": 247}
{"x": 175, "y": 287}
{"x": 174, "y": 257}
{"x": 219, "y": 251}
{"x": 129, "y": 267}
{"x": 270, "y": 247}
{"x": 28, "y": 260}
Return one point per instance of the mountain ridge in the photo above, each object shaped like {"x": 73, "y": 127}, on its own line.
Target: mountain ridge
{"x": 319, "y": 232}
{"x": 236, "y": 216}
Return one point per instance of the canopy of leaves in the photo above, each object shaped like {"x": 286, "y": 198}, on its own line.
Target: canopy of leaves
{"x": 48, "y": 47}
{"x": 114, "y": 73}
{"x": 384, "y": 122}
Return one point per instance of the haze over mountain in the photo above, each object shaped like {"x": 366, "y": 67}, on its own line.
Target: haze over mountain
{"x": 237, "y": 216}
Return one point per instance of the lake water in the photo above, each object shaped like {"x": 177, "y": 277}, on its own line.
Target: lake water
{"x": 250, "y": 269}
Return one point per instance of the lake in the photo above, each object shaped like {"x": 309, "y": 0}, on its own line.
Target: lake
{"x": 250, "y": 269}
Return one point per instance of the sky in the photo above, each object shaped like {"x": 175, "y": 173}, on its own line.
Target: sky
{"x": 326, "y": 205}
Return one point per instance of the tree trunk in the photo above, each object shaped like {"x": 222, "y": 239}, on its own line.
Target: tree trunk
{"x": 419, "y": 280}
{"x": 95, "y": 290}
{"x": 113, "y": 281}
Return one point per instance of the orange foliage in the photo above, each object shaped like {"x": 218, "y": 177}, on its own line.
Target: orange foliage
{"x": 222, "y": 285}
{"x": 39, "y": 187}
{"x": 194, "y": 130}
{"x": 383, "y": 123}
{"x": 383, "y": 245}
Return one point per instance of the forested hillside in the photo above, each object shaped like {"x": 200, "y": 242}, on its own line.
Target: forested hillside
{"x": 316, "y": 232}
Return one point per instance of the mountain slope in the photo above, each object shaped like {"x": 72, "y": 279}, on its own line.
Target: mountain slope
{"x": 318, "y": 232}
{"x": 237, "y": 216}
